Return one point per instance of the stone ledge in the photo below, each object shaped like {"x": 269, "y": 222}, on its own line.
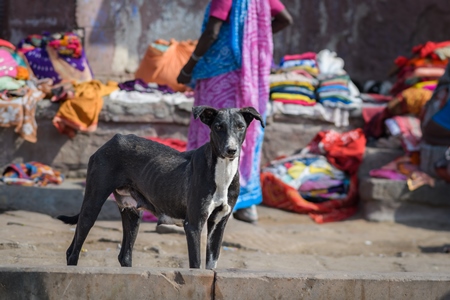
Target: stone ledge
{"x": 52, "y": 200}
{"x": 391, "y": 191}
{"x": 56, "y": 282}
{"x": 384, "y": 200}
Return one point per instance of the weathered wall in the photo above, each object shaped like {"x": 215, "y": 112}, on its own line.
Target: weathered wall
{"x": 26, "y": 17}
{"x": 368, "y": 35}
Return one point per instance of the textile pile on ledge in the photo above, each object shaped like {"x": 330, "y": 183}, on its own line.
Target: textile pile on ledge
{"x": 399, "y": 124}
{"x": 31, "y": 174}
{"x": 320, "y": 181}
{"x": 313, "y": 86}
{"x": 19, "y": 93}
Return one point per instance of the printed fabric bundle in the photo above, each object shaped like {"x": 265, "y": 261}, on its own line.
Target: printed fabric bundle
{"x": 321, "y": 181}
{"x": 57, "y": 56}
{"x": 31, "y": 174}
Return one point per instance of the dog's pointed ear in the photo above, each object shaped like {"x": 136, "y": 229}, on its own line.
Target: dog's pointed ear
{"x": 206, "y": 114}
{"x": 249, "y": 114}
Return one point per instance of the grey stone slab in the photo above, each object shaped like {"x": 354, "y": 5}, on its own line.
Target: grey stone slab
{"x": 375, "y": 158}
{"x": 331, "y": 285}
{"x": 54, "y": 282}
{"x": 391, "y": 191}
{"x": 52, "y": 200}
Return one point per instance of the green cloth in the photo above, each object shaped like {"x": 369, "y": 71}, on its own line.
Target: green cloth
{"x": 10, "y": 84}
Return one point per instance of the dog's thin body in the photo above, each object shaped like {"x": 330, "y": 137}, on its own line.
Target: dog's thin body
{"x": 192, "y": 188}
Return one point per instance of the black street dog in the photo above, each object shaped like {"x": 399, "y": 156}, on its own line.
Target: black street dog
{"x": 194, "y": 187}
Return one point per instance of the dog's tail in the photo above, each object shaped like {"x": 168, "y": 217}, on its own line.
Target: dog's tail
{"x": 69, "y": 220}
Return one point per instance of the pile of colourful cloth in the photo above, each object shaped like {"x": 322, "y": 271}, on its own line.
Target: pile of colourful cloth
{"x": 321, "y": 181}
{"x": 293, "y": 87}
{"x": 334, "y": 91}
{"x": 312, "y": 176}
{"x": 422, "y": 70}
{"x": 57, "y": 56}
{"x": 31, "y": 174}
{"x": 305, "y": 62}
{"x": 19, "y": 94}
{"x": 294, "y": 82}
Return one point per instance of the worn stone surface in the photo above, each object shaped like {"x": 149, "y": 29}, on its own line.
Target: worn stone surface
{"x": 56, "y": 282}
{"x": 390, "y": 200}
{"x": 254, "y": 285}
{"x": 284, "y": 256}
{"x": 53, "y": 200}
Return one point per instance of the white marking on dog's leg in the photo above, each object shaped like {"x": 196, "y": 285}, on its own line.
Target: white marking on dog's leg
{"x": 212, "y": 263}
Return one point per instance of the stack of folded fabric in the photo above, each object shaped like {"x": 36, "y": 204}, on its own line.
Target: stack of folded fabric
{"x": 300, "y": 62}
{"x": 293, "y": 87}
{"x": 334, "y": 91}
{"x": 423, "y": 68}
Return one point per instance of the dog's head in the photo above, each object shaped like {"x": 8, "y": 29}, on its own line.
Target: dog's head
{"x": 228, "y": 127}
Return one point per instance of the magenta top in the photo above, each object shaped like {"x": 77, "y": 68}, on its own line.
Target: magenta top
{"x": 221, "y": 8}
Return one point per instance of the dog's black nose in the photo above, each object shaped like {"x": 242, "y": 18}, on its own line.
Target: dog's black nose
{"x": 231, "y": 151}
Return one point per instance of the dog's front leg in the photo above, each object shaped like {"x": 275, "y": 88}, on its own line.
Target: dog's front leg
{"x": 193, "y": 229}
{"x": 214, "y": 240}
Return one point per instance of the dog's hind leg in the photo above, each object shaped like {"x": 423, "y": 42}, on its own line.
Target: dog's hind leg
{"x": 131, "y": 219}
{"x": 94, "y": 198}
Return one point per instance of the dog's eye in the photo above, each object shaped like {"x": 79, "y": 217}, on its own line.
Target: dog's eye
{"x": 240, "y": 127}
{"x": 218, "y": 127}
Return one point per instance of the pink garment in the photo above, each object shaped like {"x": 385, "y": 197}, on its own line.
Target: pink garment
{"x": 248, "y": 86}
{"x": 387, "y": 174}
{"x": 298, "y": 102}
{"x": 220, "y": 9}
{"x": 319, "y": 185}
{"x": 306, "y": 55}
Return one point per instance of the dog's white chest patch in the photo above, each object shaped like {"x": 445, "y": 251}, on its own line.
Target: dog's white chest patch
{"x": 225, "y": 171}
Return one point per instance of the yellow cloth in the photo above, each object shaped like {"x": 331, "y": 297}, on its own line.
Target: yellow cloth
{"x": 420, "y": 85}
{"x": 292, "y": 82}
{"x": 81, "y": 113}
{"x": 291, "y": 97}
{"x": 297, "y": 169}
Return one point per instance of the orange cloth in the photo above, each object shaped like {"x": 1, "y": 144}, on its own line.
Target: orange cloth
{"x": 81, "y": 112}
{"x": 163, "y": 67}
{"x": 410, "y": 101}
{"x": 22, "y": 73}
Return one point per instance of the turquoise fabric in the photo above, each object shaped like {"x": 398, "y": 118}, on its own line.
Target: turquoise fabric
{"x": 225, "y": 55}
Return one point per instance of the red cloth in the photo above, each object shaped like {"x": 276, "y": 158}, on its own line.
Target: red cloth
{"x": 280, "y": 195}
{"x": 4, "y": 43}
{"x": 345, "y": 150}
{"x": 173, "y": 143}
{"x": 428, "y": 48}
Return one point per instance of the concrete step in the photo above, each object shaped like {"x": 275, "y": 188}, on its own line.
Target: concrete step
{"x": 389, "y": 200}
{"x": 52, "y": 200}
{"x": 53, "y": 282}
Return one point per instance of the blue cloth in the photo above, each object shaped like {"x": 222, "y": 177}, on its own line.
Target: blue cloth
{"x": 293, "y": 90}
{"x": 442, "y": 117}
{"x": 251, "y": 193}
{"x": 225, "y": 54}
